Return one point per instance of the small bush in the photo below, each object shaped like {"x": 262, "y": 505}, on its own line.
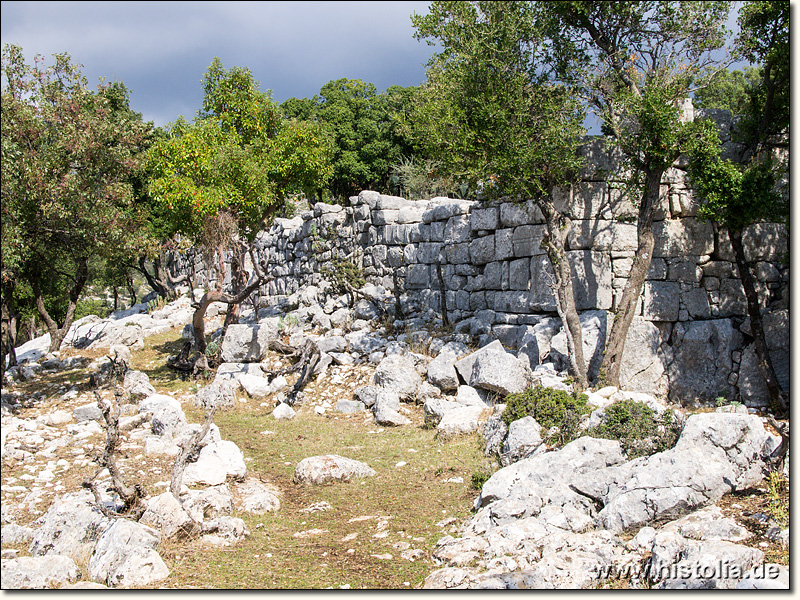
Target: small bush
{"x": 550, "y": 408}
{"x": 479, "y": 478}
{"x": 637, "y": 427}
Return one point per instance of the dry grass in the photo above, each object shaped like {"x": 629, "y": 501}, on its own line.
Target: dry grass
{"x": 399, "y": 506}
{"x": 396, "y": 510}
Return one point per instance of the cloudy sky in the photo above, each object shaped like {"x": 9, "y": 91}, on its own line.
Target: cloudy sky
{"x": 160, "y": 50}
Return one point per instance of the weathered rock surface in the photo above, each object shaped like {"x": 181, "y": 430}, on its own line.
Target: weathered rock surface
{"x": 126, "y": 556}
{"x": 318, "y": 470}
{"x": 248, "y": 343}
{"x": 165, "y": 514}
{"x": 215, "y": 464}
{"x": 72, "y": 526}
{"x": 39, "y": 572}
{"x": 397, "y": 372}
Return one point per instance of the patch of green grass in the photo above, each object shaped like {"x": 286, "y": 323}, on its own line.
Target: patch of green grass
{"x": 410, "y": 498}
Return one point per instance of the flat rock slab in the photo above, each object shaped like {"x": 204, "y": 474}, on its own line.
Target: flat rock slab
{"x": 317, "y": 470}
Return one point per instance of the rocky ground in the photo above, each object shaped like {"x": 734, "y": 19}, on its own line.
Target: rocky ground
{"x": 703, "y": 514}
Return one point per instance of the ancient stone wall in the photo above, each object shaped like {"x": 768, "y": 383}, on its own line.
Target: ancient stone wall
{"x": 690, "y": 339}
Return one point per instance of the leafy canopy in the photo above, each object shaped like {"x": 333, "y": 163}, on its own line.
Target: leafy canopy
{"x": 488, "y": 111}
{"x": 363, "y": 127}
{"x": 69, "y": 160}
{"x": 737, "y": 194}
{"x": 238, "y": 156}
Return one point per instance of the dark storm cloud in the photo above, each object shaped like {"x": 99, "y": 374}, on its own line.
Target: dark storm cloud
{"x": 160, "y": 50}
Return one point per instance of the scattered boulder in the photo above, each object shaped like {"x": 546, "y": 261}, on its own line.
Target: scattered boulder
{"x": 318, "y": 470}
{"x": 397, "y": 372}
{"x": 524, "y": 438}
{"x": 435, "y": 409}
{"x": 208, "y": 503}
{"x": 126, "y": 556}
{"x": 72, "y": 526}
{"x": 442, "y": 371}
{"x": 165, "y": 514}
{"x": 459, "y": 421}
{"x": 256, "y": 497}
{"x": 215, "y": 464}
{"x": 248, "y": 343}
{"x": 39, "y": 572}
{"x": 283, "y": 412}
{"x": 138, "y": 385}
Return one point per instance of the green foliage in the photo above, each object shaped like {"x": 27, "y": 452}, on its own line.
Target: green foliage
{"x": 92, "y": 306}
{"x": 639, "y": 430}
{"x": 778, "y": 493}
{"x": 479, "y": 478}
{"x": 212, "y": 349}
{"x": 420, "y": 178}
{"x": 239, "y": 157}
{"x": 70, "y": 161}
{"x": 550, "y": 408}
{"x": 362, "y": 126}
{"x": 488, "y": 112}
{"x": 727, "y": 90}
{"x": 344, "y": 275}
{"x": 156, "y": 304}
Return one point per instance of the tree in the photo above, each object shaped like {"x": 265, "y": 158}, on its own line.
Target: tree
{"x": 221, "y": 179}
{"x": 737, "y": 194}
{"x": 495, "y": 120}
{"x": 363, "y": 127}
{"x": 67, "y": 162}
{"x": 635, "y": 62}
{"x": 726, "y": 90}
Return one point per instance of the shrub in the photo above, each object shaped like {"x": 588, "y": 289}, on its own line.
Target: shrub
{"x": 550, "y": 408}
{"x": 638, "y": 428}
{"x": 479, "y": 478}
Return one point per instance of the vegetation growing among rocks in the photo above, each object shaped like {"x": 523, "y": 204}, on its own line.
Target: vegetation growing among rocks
{"x": 550, "y": 408}
{"x": 638, "y": 428}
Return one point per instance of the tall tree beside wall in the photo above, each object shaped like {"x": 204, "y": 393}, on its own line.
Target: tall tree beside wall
{"x": 752, "y": 189}
{"x": 67, "y": 162}
{"x": 223, "y": 178}
{"x": 634, "y": 63}
{"x": 494, "y": 119}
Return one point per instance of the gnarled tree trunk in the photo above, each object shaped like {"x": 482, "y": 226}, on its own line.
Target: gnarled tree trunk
{"x": 57, "y": 333}
{"x": 612, "y": 361}
{"x": 558, "y": 227}
{"x": 777, "y": 398}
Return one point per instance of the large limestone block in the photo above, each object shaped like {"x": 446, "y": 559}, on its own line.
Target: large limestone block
{"x": 126, "y": 556}
{"x": 72, "y": 525}
{"x": 643, "y": 367}
{"x": 682, "y": 237}
{"x": 591, "y": 281}
{"x": 217, "y": 462}
{"x": 397, "y": 372}
{"x": 459, "y": 421}
{"x": 165, "y": 514}
{"x": 501, "y": 372}
{"x": 702, "y": 359}
{"x": 248, "y": 343}
{"x": 318, "y": 470}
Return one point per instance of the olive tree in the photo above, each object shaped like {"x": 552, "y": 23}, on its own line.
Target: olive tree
{"x": 634, "y": 63}
{"x": 222, "y": 179}
{"x": 494, "y": 119}
{"x": 752, "y": 189}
